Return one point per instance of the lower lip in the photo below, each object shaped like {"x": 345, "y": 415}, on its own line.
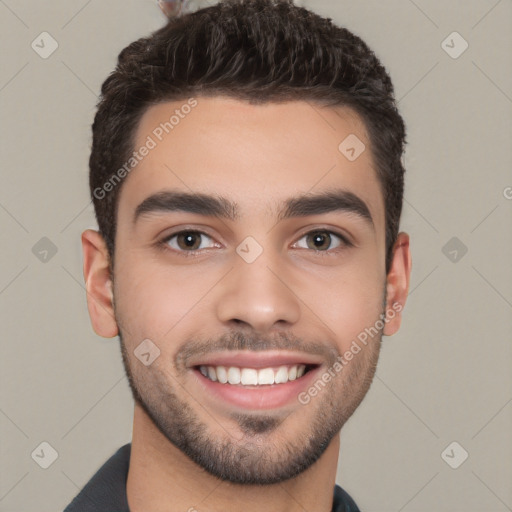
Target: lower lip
{"x": 258, "y": 397}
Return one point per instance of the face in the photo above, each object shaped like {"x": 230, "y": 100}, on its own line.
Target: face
{"x": 249, "y": 260}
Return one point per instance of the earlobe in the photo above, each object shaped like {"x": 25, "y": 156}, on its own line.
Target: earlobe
{"x": 98, "y": 284}
{"x": 397, "y": 284}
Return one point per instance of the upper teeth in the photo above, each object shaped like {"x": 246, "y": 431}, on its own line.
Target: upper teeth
{"x": 251, "y": 376}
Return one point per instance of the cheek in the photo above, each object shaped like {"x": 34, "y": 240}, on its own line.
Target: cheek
{"x": 349, "y": 314}
{"x": 154, "y": 301}
{"x": 348, "y": 303}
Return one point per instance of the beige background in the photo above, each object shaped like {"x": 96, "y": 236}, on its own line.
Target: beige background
{"x": 446, "y": 376}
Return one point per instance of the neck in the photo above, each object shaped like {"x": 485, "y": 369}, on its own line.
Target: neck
{"x": 163, "y": 479}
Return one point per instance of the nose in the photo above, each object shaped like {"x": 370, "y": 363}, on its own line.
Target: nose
{"x": 258, "y": 294}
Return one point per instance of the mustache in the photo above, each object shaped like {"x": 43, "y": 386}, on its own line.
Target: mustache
{"x": 238, "y": 341}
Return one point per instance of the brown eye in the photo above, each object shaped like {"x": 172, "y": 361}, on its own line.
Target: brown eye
{"x": 187, "y": 241}
{"x": 322, "y": 240}
{"x": 319, "y": 241}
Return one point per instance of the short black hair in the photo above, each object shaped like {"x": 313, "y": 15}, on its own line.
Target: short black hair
{"x": 253, "y": 50}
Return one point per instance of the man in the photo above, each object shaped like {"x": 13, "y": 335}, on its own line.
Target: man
{"x": 247, "y": 180}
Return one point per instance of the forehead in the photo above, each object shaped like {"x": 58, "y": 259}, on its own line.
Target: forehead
{"x": 258, "y": 156}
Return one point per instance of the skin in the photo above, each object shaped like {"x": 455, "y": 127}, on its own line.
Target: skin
{"x": 257, "y": 156}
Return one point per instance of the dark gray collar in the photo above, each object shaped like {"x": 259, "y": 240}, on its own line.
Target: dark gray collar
{"x": 106, "y": 490}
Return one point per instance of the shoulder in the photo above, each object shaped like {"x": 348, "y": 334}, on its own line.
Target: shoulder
{"x": 343, "y": 502}
{"x": 107, "y": 487}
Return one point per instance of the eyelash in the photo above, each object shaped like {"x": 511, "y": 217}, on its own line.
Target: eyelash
{"x": 163, "y": 244}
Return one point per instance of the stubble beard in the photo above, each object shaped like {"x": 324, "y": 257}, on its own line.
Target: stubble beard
{"x": 262, "y": 454}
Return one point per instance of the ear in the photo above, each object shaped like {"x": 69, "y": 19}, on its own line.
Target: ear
{"x": 98, "y": 284}
{"x": 397, "y": 283}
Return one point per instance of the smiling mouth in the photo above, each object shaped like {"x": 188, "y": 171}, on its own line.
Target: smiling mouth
{"x": 245, "y": 376}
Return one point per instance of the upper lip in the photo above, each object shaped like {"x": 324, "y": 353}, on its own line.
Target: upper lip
{"x": 251, "y": 359}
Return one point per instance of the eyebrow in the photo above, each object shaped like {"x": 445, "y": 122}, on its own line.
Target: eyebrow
{"x": 338, "y": 200}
